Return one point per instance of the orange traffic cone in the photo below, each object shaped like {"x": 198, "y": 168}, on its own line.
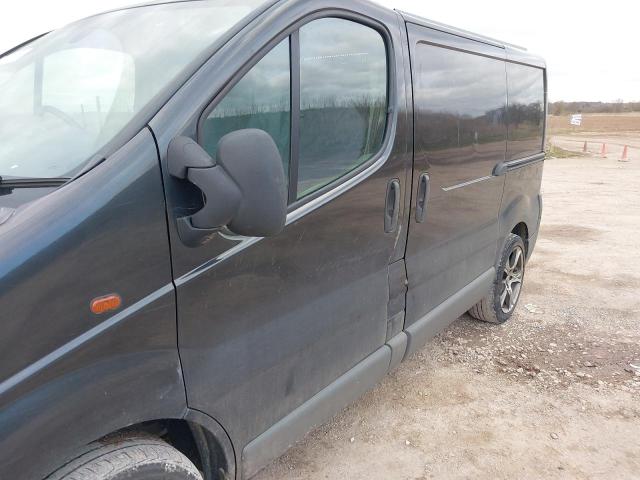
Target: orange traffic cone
{"x": 625, "y": 154}
{"x": 584, "y": 148}
{"x": 603, "y": 151}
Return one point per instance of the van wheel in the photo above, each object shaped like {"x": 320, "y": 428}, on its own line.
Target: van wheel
{"x": 132, "y": 459}
{"x": 498, "y": 306}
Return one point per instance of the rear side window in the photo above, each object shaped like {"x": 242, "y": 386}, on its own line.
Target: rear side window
{"x": 460, "y": 100}
{"x": 525, "y": 111}
{"x": 343, "y": 100}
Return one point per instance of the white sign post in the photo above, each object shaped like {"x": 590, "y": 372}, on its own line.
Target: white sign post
{"x": 576, "y": 119}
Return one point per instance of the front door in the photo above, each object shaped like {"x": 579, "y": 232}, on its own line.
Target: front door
{"x": 460, "y": 136}
{"x": 265, "y": 323}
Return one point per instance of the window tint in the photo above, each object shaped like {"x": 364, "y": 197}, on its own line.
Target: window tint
{"x": 460, "y": 101}
{"x": 526, "y": 110}
{"x": 343, "y": 100}
{"x": 261, "y": 99}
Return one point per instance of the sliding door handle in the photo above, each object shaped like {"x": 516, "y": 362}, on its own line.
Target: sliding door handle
{"x": 423, "y": 197}
{"x": 500, "y": 169}
{"x": 392, "y": 206}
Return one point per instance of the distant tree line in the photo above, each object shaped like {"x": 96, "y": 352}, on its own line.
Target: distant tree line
{"x": 565, "y": 108}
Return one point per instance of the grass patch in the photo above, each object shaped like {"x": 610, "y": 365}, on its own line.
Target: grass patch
{"x": 557, "y": 152}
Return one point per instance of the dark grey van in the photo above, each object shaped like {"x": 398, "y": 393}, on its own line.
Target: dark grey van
{"x": 222, "y": 221}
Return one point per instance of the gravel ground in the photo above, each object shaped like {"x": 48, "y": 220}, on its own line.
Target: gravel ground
{"x": 553, "y": 393}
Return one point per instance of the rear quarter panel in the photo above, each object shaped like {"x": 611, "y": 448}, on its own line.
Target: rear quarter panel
{"x": 522, "y": 202}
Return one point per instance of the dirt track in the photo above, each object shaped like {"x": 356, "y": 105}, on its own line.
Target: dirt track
{"x": 550, "y": 394}
{"x": 614, "y": 144}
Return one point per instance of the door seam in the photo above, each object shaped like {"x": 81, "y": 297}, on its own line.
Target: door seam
{"x": 173, "y": 283}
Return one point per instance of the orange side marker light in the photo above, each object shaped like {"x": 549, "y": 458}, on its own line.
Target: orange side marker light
{"x": 106, "y": 304}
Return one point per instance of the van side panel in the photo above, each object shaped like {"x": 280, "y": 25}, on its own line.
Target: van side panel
{"x": 69, "y": 376}
{"x": 459, "y": 91}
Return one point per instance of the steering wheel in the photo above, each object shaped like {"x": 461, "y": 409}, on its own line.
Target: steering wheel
{"x": 65, "y": 117}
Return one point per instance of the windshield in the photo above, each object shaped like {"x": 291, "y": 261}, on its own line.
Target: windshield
{"x": 67, "y": 94}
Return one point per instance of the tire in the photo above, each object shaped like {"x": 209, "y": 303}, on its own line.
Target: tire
{"x": 500, "y": 303}
{"x": 130, "y": 459}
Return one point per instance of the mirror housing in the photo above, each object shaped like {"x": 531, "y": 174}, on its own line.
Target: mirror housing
{"x": 244, "y": 189}
{"x": 252, "y": 160}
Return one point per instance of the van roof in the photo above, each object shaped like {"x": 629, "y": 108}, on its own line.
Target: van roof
{"x": 411, "y": 18}
{"x": 514, "y": 53}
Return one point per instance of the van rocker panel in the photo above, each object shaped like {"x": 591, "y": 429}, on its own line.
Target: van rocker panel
{"x": 315, "y": 411}
{"x": 445, "y": 313}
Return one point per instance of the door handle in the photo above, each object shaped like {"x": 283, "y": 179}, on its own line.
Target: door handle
{"x": 392, "y": 206}
{"x": 423, "y": 197}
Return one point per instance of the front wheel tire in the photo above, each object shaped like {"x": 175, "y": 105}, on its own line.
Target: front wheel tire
{"x": 499, "y": 304}
{"x": 132, "y": 459}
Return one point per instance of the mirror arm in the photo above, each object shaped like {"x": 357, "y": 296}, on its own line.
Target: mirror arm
{"x": 215, "y": 179}
{"x": 191, "y": 236}
{"x": 183, "y": 154}
{"x": 189, "y": 161}
{"x": 244, "y": 189}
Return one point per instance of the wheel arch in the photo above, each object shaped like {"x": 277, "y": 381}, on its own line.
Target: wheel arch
{"x": 522, "y": 231}
{"x": 519, "y": 216}
{"x": 199, "y": 437}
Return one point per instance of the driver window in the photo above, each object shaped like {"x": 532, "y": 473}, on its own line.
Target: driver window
{"x": 261, "y": 99}
{"x": 343, "y": 90}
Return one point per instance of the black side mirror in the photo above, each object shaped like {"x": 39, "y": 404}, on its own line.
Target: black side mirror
{"x": 244, "y": 188}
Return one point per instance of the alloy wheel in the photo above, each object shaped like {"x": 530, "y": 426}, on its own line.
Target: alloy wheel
{"x": 512, "y": 280}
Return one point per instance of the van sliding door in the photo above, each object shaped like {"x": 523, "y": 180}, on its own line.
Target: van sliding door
{"x": 460, "y": 136}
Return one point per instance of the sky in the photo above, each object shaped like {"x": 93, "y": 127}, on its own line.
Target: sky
{"x": 591, "y": 48}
